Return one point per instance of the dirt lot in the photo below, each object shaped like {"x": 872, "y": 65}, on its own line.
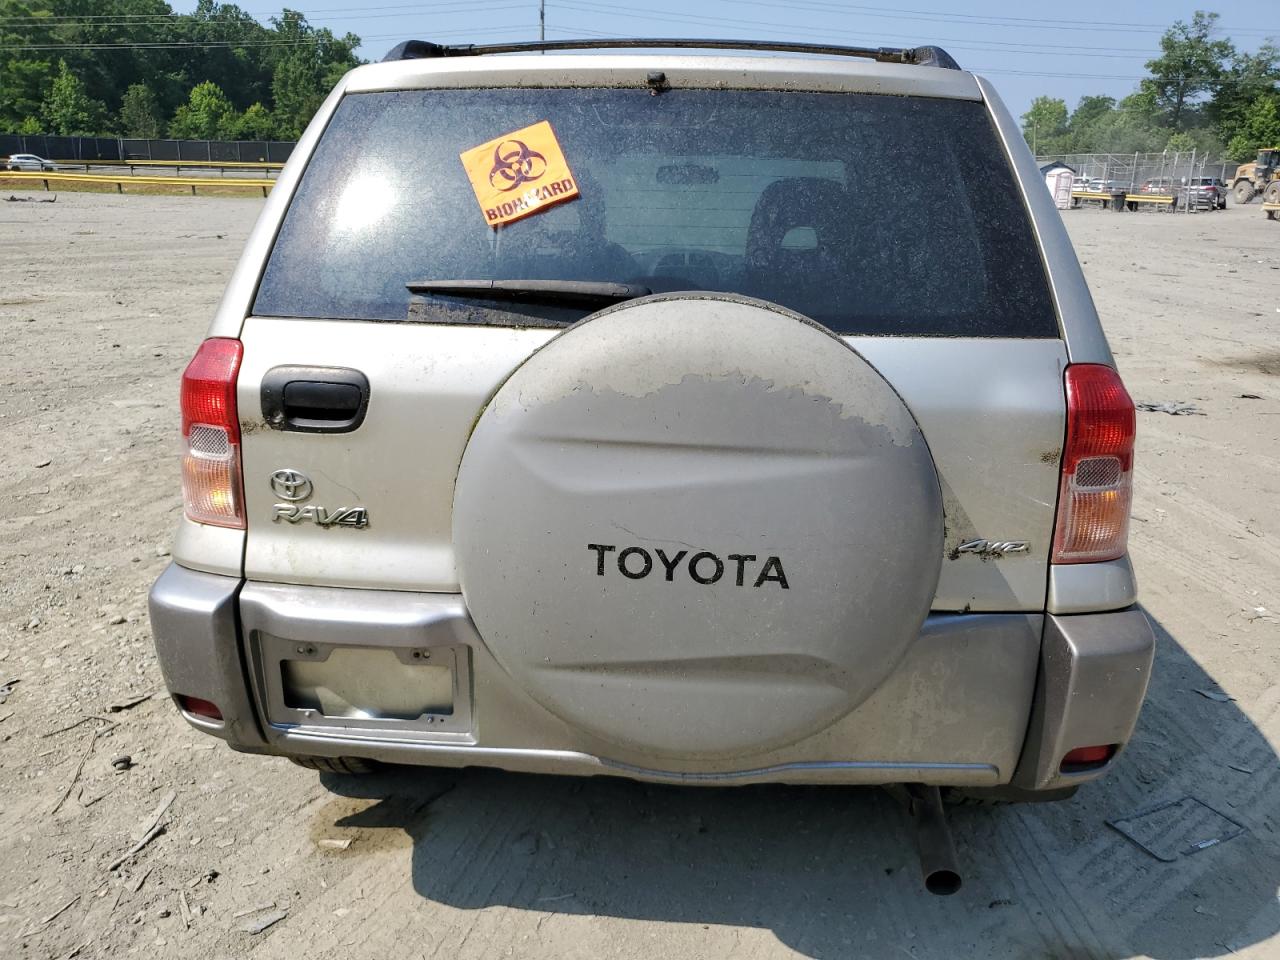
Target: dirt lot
{"x": 102, "y": 300}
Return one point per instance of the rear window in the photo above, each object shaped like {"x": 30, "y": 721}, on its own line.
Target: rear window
{"x": 871, "y": 214}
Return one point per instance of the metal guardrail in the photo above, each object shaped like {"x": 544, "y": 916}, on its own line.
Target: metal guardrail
{"x": 267, "y": 167}
{"x": 46, "y": 177}
{"x": 141, "y": 162}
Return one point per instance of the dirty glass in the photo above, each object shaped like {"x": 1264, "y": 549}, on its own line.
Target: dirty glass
{"x": 871, "y": 214}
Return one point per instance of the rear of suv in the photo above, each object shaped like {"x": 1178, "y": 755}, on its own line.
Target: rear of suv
{"x": 595, "y": 414}
{"x": 1204, "y": 193}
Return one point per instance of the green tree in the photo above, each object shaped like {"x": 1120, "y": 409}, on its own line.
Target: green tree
{"x": 1191, "y": 63}
{"x": 207, "y": 115}
{"x": 1262, "y": 124}
{"x": 296, "y": 91}
{"x": 1136, "y": 126}
{"x": 1089, "y": 114}
{"x": 140, "y": 112}
{"x": 256, "y": 123}
{"x": 1045, "y": 124}
{"x": 240, "y": 56}
{"x": 308, "y": 63}
{"x": 25, "y": 75}
{"x": 68, "y": 110}
{"x": 85, "y": 29}
{"x": 1250, "y": 76}
{"x": 287, "y": 66}
{"x": 1260, "y": 129}
{"x": 1089, "y": 110}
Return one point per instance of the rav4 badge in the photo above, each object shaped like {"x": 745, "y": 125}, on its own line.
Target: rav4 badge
{"x": 295, "y": 485}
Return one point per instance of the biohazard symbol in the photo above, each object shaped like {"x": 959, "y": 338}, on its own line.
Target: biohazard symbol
{"x": 519, "y": 173}
{"x": 515, "y": 164}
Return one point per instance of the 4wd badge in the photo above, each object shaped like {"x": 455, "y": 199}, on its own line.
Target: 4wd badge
{"x": 295, "y": 486}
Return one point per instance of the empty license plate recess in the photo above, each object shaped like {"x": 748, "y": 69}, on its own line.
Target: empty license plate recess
{"x": 356, "y": 691}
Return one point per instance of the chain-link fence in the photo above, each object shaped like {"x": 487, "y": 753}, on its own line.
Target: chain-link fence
{"x": 1134, "y": 171}
{"x": 1192, "y": 179}
{"x": 118, "y": 150}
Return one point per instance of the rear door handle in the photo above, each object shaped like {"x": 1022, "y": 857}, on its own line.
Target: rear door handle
{"x": 314, "y": 399}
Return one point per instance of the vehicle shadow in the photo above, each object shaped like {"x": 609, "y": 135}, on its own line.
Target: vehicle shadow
{"x": 832, "y": 872}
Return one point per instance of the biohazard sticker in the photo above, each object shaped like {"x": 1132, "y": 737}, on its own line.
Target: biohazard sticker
{"x": 519, "y": 173}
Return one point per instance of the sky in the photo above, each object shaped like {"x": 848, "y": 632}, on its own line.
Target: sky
{"x": 1068, "y": 51}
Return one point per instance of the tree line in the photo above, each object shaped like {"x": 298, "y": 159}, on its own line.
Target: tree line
{"x": 1201, "y": 93}
{"x": 134, "y": 68}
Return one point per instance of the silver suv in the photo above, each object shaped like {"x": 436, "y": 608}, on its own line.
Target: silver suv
{"x": 595, "y": 414}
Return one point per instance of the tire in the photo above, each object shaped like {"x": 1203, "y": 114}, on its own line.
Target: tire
{"x": 1272, "y": 193}
{"x": 1244, "y": 191}
{"x": 350, "y": 766}
{"x": 658, "y": 483}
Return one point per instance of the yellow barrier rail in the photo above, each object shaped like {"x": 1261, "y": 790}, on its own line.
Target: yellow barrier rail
{"x": 229, "y": 164}
{"x": 1131, "y": 200}
{"x": 46, "y": 178}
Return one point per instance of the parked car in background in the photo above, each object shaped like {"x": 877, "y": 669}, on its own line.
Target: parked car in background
{"x": 29, "y": 161}
{"x": 1098, "y": 185}
{"x": 1159, "y": 185}
{"x": 1208, "y": 191}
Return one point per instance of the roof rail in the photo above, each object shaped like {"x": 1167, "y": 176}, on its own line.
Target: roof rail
{"x": 921, "y": 56}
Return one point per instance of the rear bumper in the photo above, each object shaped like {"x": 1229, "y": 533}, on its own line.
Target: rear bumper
{"x": 955, "y": 712}
{"x": 1094, "y": 670}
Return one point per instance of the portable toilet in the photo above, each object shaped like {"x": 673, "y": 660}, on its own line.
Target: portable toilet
{"x": 1058, "y": 177}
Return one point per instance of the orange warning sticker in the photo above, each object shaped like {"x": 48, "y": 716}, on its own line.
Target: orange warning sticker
{"x": 519, "y": 173}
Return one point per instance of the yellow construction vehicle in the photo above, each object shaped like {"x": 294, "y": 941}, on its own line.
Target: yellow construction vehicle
{"x": 1271, "y": 200}
{"x": 1251, "y": 179}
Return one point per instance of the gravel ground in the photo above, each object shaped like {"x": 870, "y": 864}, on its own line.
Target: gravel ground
{"x": 102, "y": 300}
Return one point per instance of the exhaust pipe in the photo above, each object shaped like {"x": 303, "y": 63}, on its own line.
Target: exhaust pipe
{"x": 933, "y": 837}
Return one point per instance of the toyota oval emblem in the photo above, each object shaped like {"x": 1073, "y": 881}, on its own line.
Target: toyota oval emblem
{"x": 291, "y": 485}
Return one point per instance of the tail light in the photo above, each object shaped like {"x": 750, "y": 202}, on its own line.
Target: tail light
{"x": 205, "y": 709}
{"x": 1082, "y": 758}
{"x": 212, "y": 489}
{"x": 1097, "y": 467}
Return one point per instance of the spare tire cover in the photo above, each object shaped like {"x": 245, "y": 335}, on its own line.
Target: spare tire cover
{"x": 697, "y": 526}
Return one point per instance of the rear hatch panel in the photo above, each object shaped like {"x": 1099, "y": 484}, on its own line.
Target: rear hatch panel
{"x": 995, "y": 436}
{"x": 943, "y": 290}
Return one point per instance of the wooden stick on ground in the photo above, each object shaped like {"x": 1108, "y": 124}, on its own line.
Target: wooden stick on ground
{"x": 88, "y": 749}
{"x": 151, "y": 835}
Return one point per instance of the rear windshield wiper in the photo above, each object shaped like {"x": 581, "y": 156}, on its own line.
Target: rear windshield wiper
{"x": 586, "y": 292}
